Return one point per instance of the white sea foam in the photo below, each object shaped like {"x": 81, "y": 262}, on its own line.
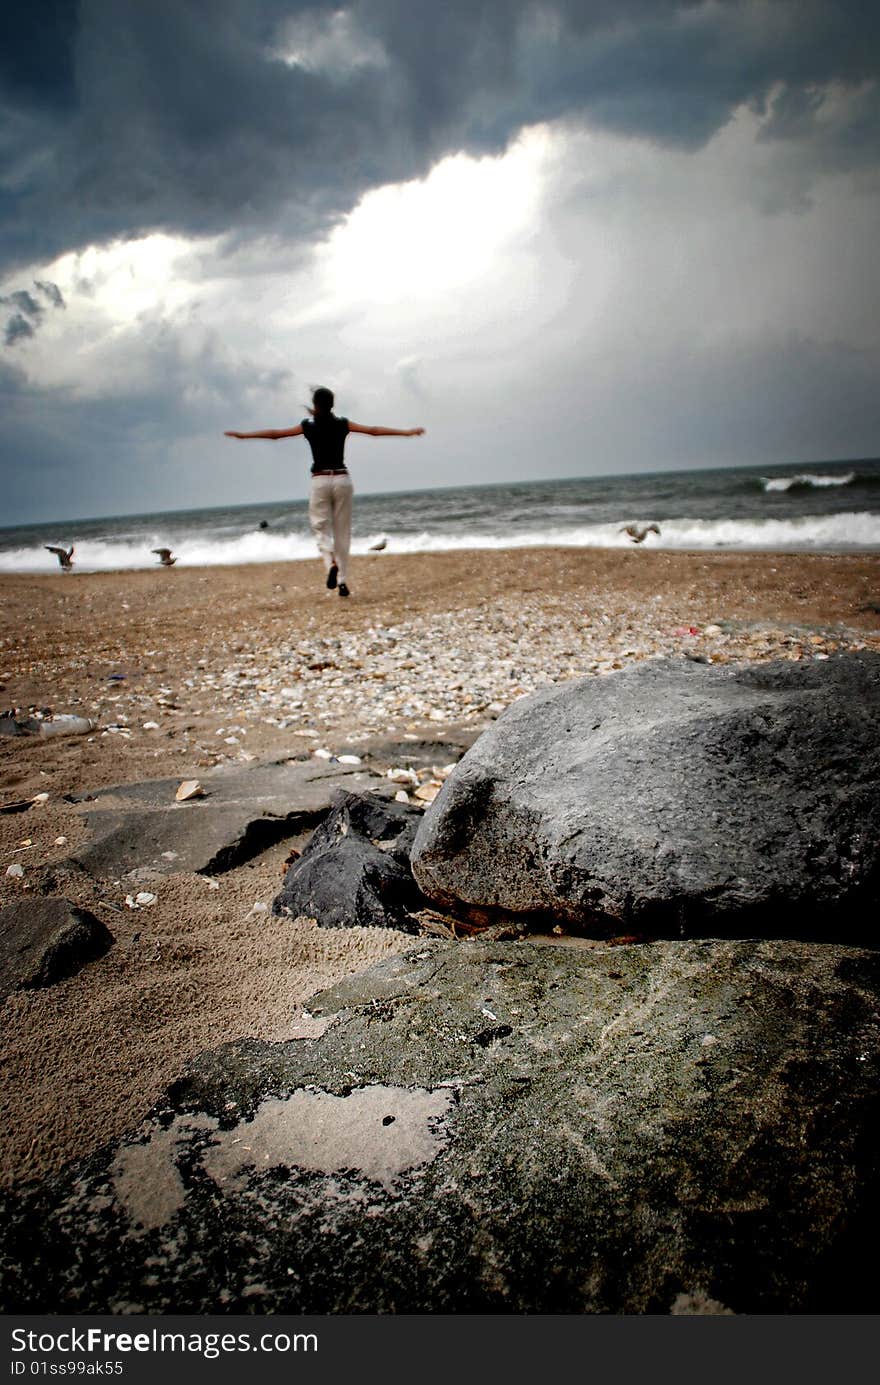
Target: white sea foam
{"x": 853, "y": 530}
{"x": 806, "y": 480}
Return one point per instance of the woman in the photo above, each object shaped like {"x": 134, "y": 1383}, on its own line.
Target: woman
{"x": 331, "y": 494}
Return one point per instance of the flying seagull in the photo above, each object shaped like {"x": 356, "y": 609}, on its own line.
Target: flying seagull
{"x": 638, "y": 533}
{"x": 377, "y": 547}
{"x": 64, "y": 555}
{"x": 166, "y": 557}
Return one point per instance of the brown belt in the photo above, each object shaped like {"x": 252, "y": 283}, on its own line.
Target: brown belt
{"x": 340, "y": 471}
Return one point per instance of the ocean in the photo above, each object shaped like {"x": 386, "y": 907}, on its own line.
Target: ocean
{"x": 830, "y": 507}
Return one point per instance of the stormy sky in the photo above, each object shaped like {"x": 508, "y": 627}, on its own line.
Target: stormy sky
{"x": 567, "y": 238}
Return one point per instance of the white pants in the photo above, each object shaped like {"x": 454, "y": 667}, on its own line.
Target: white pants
{"x": 330, "y": 517}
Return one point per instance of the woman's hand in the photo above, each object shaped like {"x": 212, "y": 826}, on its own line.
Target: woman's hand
{"x": 232, "y": 435}
{"x": 415, "y": 432}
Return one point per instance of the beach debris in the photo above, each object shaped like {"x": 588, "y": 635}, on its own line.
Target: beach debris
{"x": 322, "y": 754}
{"x": 401, "y": 796}
{"x": 639, "y": 532}
{"x": 189, "y": 788}
{"x": 60, "y": 841}
{"x": 257, "y": 908}
{"x": 64, "y": 556}
{"x": 10, "y": 727}
{"x": 144, "y": 899}
{"x": 15, "y": 871}
{"x": 66, "y": 724}
{"x": 165, "y": 556}
{"x": 403, "y": 776}
{"x": 349, "y": 759}
{"x": 40, "y": 797}
{"x": 151, "y": 726}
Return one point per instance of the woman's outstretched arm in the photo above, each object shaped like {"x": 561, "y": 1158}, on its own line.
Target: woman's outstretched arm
{"x": 385, "y": 432}
{"x": 271, "y": 433}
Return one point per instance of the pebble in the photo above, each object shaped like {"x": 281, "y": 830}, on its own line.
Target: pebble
{"x": 459, "y": 667}
{"x": 427, "y": 792}
{"x": 15, "y": 870}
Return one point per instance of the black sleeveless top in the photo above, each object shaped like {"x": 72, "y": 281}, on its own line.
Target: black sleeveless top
{"x": 326, "y": 437}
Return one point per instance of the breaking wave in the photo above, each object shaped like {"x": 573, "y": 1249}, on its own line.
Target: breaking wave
{"x": 852, "y": 530}
{"x": 806, "y": 480}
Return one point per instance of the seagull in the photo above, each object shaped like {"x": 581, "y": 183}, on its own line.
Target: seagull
{"x": 64, "y": 555}
{"x": 377, "y": 547}
{"x": 639, "y": 533}
{"x": 165, "y": 556}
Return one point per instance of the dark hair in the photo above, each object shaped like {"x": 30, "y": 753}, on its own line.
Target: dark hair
{"x": 322, "y": 400}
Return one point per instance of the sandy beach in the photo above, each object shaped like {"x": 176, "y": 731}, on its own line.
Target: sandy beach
{"x": 186, "y": 668}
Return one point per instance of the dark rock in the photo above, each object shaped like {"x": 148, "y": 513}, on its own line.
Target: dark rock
{"x": 46, "y": 940}
{"x": 674, "y": 1127}
{"x": 355, "y": 869}
{"x": 673, "y": 799}
{"x": 244, "y": 811}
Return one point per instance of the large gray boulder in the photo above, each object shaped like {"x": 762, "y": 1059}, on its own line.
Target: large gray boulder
{"x": 483, "y": 1128}
{"x": 673, "y": 799}
{"x": 45, "y": 940}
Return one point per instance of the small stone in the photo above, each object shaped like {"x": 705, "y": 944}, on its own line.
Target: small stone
{"x": 403, "y": 776}
{"x": 323, "y": 754}
{"x": 15, "y": 870}
{"x": 40, "y": 798}
{"x": 401, "y": 796}
{"x": 151, "y": 726}
{"x": 60, "y": 841}
{"x": 349, "y": 759}
{"x": 427, "y": 792}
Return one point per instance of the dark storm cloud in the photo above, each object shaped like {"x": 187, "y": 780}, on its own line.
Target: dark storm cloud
{"x": 124, "y": 117}
{"x": 23, "y": 301}
{"x": 28, "y": 311}
{"x": 50, "y": 291}
{"x": 17, "y": 329}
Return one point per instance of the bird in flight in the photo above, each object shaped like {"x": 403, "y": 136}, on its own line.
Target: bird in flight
{"x": 165, "y": 556}
{"x": 64, "y": 555}
{"x": 638, "y": 533}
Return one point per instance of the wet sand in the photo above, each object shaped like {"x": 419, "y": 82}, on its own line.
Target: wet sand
{"x": 183, "y": 669}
